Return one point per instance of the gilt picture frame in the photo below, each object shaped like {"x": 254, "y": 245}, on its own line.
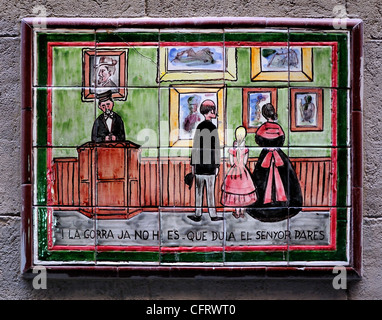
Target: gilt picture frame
{"x": 281, "y": 63}
{"x": 180, "y": 97}
{"x": 185, "y": 62}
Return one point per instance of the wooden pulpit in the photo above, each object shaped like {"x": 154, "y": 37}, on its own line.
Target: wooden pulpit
{"x": 109, "y": 179}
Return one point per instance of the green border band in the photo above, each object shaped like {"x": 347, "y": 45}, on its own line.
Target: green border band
{"x": 239, "y": 256}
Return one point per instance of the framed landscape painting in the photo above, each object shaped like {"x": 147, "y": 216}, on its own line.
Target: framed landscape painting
{"x": 194, "y": 62}
{"x": 281, "y": 64}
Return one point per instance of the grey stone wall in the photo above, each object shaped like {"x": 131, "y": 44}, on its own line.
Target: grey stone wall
{"x": 14, "y": 286}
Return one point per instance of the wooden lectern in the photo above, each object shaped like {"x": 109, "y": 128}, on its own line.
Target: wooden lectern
{"x": 109, "y": 179}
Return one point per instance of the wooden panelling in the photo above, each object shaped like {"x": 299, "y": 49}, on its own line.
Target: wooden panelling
{"x": 313, "y": 174}
{"x": 65, "y": 182}
{"x": 161, "y": 182}
{"x": 149, "y": 186}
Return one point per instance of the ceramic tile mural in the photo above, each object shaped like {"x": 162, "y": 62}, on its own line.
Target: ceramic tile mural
{"x": 214, "y": 146}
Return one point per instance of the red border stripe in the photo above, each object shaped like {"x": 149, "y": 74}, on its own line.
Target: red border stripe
{"x": 333, "y": 211}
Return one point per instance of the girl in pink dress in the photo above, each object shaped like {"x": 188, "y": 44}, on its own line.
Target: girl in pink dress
{"x": 238, "y": 188}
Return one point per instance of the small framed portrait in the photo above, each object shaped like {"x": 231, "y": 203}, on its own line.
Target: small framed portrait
{"x": 185, "y": 103}
{"x": 253, "y": 101}
{"x": 306, "y": 109}
{"x": 293, "y": 63}
{"x": 104, "y": 70}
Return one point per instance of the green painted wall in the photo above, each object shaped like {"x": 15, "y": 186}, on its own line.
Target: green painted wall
{"x": 146, "y": 125}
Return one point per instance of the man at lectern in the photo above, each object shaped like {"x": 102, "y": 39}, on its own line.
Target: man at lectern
{"x": 109, "y": 125}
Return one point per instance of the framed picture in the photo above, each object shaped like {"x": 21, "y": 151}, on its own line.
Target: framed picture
{"x": 281, "y": 63}
{"x": 104, "y": 70}
{"x": 205, "y": 62}
{"x": 253, "y": 101}
{"x": 306, "y": 109}
{"x": 184, "y": 112}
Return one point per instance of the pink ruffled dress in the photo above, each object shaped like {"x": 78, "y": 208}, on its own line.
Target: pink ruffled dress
{"x": 238, "y": 188}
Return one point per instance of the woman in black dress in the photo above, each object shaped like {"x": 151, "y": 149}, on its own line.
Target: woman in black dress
{"x": 278, "y": 189}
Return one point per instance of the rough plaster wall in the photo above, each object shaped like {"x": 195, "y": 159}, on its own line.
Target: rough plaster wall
{"x": 13, "y": 286}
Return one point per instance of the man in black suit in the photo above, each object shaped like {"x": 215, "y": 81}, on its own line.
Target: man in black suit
{"x": 205, "y": 161}
{"x": 109, "y": 125}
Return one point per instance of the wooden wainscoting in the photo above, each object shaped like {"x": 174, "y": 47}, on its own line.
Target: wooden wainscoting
{"x": 170, "y": 190}
{"x": 65, "y": 182}
{"x": 313, "y": 174}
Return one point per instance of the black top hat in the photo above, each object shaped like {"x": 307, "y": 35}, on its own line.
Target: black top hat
{"x": 104, "y": 96}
